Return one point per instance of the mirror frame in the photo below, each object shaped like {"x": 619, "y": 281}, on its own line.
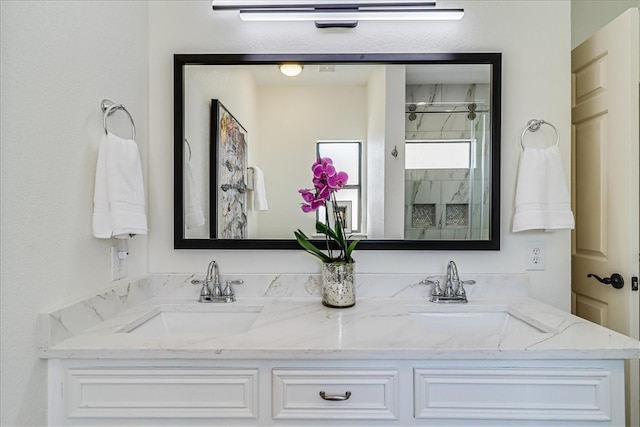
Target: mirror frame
{"x": 493, "y": 59}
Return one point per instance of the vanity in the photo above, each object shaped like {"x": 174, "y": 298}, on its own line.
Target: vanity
{"x": 149, "y": 354}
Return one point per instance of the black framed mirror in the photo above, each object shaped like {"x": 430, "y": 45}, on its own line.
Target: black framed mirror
{"x": 398, "y": 109}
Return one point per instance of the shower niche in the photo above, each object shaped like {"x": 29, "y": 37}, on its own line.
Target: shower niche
{"x": 447, "y": 160}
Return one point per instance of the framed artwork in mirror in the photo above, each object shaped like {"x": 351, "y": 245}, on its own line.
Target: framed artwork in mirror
{"x": 230, "y": 150}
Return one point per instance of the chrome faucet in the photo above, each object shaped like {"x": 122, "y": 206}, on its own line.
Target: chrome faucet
{"x": 211, "y": 290}
{"x": 452, "y": 278}
{"x": 453, "y": 288}
{"x": 213, "y": 279}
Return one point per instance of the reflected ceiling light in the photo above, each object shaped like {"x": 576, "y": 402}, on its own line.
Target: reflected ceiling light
{"x": 291, "y": 70}
{"x": 338, "y": 14}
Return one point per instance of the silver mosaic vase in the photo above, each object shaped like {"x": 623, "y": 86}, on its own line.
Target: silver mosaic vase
{"x": 338, "y": 284}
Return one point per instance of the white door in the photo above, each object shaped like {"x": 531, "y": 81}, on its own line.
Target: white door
{"x": 606, "y": 183}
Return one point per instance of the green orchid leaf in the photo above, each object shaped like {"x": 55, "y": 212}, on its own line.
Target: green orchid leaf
{"x": 351, "y": 247}
{"x": 303, "y": 241}
{"x": 322, "y": 228}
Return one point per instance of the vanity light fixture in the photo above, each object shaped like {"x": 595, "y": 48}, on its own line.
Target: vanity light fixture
{"x": 291, "y": 70}
{"x": 333, "y": 13}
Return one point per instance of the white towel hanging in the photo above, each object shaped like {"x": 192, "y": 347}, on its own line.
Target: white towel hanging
{"x": 119, "y": 201}
{"x": 259, "y": 189}
{"x": 542, "y": 198}
{"x": 194, "y": 216}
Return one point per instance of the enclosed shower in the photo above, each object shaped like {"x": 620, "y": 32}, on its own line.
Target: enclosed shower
{"x": 447, "y": 162}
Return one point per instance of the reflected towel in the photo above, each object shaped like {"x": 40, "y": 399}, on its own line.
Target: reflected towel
{"x": 194, "y": 217}
{"x": 259, "y": 190}
{"x": 542, "y": 198}
{"x": 119, "y": 205}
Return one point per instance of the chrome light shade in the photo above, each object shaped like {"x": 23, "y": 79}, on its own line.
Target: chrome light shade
{"x": 337, "y": 14}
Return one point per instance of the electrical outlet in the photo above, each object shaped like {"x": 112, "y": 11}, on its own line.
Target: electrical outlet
{"x": 118, "y": 263}
{"x": 535, "y": 255}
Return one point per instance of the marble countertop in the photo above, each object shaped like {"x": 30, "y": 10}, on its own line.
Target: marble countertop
{"x": 375, "y": 328}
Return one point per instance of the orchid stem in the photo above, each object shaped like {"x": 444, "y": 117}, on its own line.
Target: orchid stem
{"x": 326, "y": 236}
{"x": 339, "y": 217}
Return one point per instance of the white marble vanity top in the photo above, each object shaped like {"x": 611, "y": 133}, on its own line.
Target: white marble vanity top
{"x": 291, "y": 327}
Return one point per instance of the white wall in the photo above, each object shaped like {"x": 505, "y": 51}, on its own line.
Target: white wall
{"x": 588, "y": 16}
{"x": 375, "y": 155}
{"x": 291, "y": 120}
{"x": 536, "y": 84}
{"x": 59, "y": 59}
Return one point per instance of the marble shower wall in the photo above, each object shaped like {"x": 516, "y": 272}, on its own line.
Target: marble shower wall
{"x": 437, "y": 201}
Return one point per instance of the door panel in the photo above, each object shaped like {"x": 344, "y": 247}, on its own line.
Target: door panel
{"x": 606, "y": 183}
{"x": 591, "y": 192}
{"x": 592, "y": 310}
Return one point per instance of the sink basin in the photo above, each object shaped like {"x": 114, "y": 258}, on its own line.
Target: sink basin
{"x": 213, "y": 320}
{"x": 494, "y": 320}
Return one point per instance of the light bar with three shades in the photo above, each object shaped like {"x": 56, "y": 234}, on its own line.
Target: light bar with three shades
{"x": 334, "y": 13}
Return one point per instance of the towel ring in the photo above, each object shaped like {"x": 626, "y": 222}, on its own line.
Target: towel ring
{"x": 109, "y": 107}
{"x": 533, "y": 125}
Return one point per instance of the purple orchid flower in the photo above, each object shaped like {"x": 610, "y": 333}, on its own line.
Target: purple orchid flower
{"x": 337, "y": 181}
{"x": 323, "y": 170}
{"x": 326, "y": 182}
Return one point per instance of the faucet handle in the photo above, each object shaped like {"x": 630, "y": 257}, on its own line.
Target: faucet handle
{"x": 205, "y": 292}
{"x": 228, "y": 289}
{"x": 460, "y": 291}
{"x": 437, "y": 290}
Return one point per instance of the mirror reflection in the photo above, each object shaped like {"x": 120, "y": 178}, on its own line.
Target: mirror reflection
{"x": 417, "y": 138}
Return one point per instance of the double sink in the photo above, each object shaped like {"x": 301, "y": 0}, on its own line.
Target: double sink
{"x": 232, "y": 319}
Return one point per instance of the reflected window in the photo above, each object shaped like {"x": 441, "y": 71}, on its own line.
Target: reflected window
{"x": 346, "y": 156}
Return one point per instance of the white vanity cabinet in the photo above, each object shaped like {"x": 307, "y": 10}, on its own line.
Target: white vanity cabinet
{"x": 302, "y": 364}
{"x": 160, "y": 392}
{"x": 380, "y": 392}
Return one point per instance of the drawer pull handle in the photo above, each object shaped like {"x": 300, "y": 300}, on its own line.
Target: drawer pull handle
{"x": 335, "y": 398}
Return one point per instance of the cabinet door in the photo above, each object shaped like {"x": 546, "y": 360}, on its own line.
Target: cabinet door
{"x": 349, "y": 394}
{"x": 549, "y": 394}
{"x": 162, "y": 393}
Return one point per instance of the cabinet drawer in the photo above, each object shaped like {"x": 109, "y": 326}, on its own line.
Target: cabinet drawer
{"x": 162, "y": 393}
{"x": 373, "y": 394}
{"x": 549, "y": 394}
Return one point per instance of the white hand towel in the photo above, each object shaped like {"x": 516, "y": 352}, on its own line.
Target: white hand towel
{"x": 259, "y": 190}
{"x": 194, "y": 217}
{"x": 101, "y": 212}
{"x": 119, "y": 205}
{"x": 542, "y": 198}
